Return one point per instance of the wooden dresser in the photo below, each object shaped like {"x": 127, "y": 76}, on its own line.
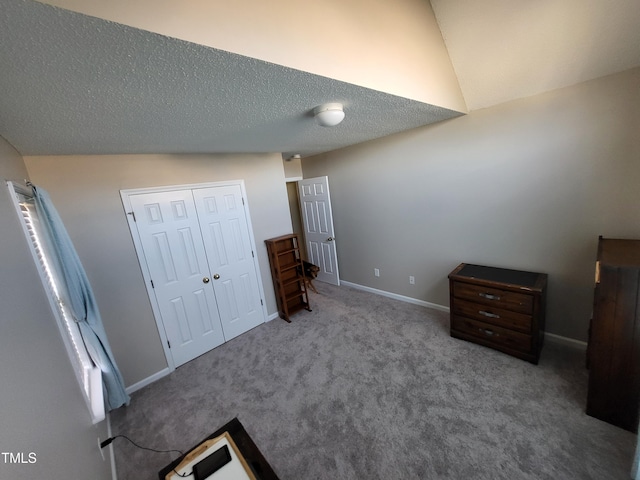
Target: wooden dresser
{"x": 613, "y": 355}
{"x": 499, "y": 308}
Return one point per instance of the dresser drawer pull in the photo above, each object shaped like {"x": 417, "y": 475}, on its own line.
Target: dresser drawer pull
{"x": 488, "y": 296}
{"x": 489, "y": 333}
{"x": 488, "y": 314}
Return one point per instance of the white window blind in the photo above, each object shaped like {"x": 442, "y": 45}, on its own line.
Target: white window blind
{"x": 88, "y": 375}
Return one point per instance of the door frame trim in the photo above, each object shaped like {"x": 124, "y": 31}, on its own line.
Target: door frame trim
{"x": 125, "y": 195}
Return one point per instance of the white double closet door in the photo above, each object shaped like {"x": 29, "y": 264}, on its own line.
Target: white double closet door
{"x": 198, "y": 252}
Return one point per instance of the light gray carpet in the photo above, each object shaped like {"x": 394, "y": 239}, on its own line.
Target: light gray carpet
{"x": 369, "y": 387}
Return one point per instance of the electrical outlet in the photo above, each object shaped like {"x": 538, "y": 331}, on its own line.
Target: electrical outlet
{"x": 412, "y": 280}
{"x": 376, "y": 272}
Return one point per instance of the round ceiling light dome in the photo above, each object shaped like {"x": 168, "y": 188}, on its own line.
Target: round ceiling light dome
{"x": 329, "y": 114}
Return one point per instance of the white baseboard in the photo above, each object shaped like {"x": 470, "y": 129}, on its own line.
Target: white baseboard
{"x": 147, "y": 381}
{"x": 273, "y": 316}
{"x": 395, "y": 296}
{"x": 552, "y": 337}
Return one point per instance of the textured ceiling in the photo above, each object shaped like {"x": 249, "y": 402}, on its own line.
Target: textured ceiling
{"x": 507, "y": 49}
{"x": 74, "y": 84}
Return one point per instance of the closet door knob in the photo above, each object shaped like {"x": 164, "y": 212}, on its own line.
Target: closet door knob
{"x": 216, "y": 276}
{"x": 205, "y": 280}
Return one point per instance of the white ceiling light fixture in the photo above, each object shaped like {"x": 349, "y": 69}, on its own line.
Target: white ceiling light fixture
{"x": 329, "y": 114}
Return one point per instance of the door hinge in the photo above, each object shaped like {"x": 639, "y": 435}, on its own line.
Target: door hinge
{"x": 261, "y": 303}
{"x": 252, "y": 254}
{"x": 169, "y": 343}
{"x": 133, "y": 215}
{"x": 242, "y": 200}
{"x": 152, "y": 285}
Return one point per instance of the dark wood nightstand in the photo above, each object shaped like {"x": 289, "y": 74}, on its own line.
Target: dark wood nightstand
{"x": 499, "y": 308}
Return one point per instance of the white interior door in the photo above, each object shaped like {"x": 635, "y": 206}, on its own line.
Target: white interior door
{"x": 231, "y": 259}
{"x": 317, "y": 221}
{"x": 169, "y": 231}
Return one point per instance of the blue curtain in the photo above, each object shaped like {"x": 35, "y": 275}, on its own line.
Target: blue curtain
{"x": 82, "y": 302}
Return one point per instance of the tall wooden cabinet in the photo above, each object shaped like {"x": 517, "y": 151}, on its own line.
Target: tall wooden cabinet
{"x": 288, "y": 275}
{"x": 613, "y": 354}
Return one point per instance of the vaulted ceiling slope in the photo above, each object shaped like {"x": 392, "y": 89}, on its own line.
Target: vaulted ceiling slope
{"x": 507, "y": 49}
{"x": 76, "y": 84}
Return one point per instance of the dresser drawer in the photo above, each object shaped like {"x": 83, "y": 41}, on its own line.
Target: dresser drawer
{"x": 505, "y": 299}
{"x": 493, "y": 315}
{"x": 492, "y": 334}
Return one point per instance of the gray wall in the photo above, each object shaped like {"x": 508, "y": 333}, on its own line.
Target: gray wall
{"x": 528, "y": 184}
{"x": 42, "y": 407}
{"x": 86, "y": 191}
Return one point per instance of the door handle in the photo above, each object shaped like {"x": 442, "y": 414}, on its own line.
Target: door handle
{"x": 205, "y": 280}
{"x": 330, "y": 239}
{"x": 216, "y": 276}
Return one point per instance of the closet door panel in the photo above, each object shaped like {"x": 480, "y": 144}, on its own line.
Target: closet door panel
{"x": 225, "y": 233}
{"x": 169, "y": 230}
